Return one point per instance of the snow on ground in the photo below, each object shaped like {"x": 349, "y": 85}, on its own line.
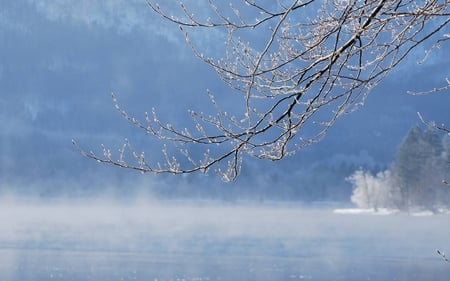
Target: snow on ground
{"x": 387, "y": 211}
{"x": 355, "y": 211}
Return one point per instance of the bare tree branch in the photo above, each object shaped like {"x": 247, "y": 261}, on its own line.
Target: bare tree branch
{"x": 433, "y": 125}
{"x": 315, "y": 64}
{"x": 443, "y": 256}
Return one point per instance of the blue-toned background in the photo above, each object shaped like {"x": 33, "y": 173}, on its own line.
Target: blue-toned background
{"x": 60, "y": 61}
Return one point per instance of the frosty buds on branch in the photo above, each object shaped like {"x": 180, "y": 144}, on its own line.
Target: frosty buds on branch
{"x": 304, "y": 64}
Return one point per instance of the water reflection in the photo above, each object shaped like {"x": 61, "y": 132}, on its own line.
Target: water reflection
{"x": 205, "y": 241}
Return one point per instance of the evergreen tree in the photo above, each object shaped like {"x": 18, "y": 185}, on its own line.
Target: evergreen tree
{"x": 416, "y": 168}
{"x": 443, "y": 188}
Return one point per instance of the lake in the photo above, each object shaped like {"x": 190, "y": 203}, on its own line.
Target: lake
{"x": 206, "y": 241}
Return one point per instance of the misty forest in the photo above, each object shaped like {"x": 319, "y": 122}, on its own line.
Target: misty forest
{"x": 224, "y": 140}
{"x": 416, "y": 178}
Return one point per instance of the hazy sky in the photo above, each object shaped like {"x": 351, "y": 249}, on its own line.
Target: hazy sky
{"x": 60, "y": 61}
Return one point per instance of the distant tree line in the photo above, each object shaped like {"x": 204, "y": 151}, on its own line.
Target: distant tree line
{"x": 415, "y": 180}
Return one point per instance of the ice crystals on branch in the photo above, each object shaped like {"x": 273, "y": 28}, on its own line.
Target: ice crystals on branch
{"x": 298, "y": 66}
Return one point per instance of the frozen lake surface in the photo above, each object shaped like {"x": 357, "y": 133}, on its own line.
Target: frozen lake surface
{"x": 201, "y": 241}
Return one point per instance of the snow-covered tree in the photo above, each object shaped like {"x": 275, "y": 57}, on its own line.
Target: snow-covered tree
{"x": 373, "y": 191}
{"x": 298, "y": 65}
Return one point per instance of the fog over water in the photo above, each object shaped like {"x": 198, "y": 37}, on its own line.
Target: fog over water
{"x": 150, "y": 240}
{"x": 60, "y": 61}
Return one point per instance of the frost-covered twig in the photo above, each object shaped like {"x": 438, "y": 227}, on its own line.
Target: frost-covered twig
{"x": 442, "y": 255}
{"x": 299, "y": 65}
